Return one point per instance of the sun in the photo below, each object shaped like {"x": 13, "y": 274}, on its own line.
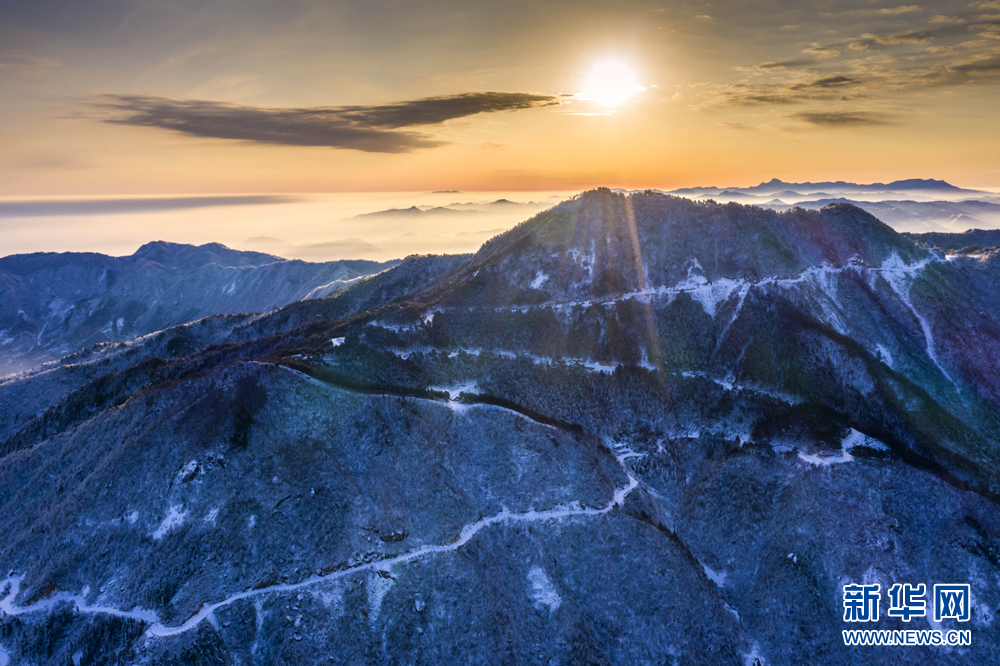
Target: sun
{"x": 611, "y": 83}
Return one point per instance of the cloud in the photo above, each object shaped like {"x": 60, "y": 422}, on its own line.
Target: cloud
{"x": 881, "y": 56}
{"x": 822, "y": 51}
{"x": 794, "y": 90}
{"x": 377, "y": 128}
{"x": 345, "y": 248}
{"x": 828, "y": 82}
{"x": 842, "y": 118}
{"x": 905, "y": 38}
{"x": 29, "y": 65}
{"x": 986, "y": 65}
{"x": 62, "y": 207}
{"x": 741, "y": 98}
{"x": 436, "y": 110}
{"x": 769, "y": 66}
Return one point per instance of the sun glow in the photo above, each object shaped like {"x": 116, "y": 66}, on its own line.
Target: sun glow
{"x": 611, "y": 83}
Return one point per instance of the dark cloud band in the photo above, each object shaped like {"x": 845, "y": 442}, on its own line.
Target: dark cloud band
{"x": 377, "y": 129}
{"x": 842, "y": 118}
{"x": 60, "y": 207}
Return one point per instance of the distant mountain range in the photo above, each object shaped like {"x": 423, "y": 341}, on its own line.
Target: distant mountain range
{"x": 413, "y": 212}
{"x": 909, "y": 185}
{"x": 459, "y": 227}
{"x": 633, "y": 429}
{"x": 916, "y": 205}
{"x": 775, "y": 186}
{"x": 53, "y": 304}
{"x": 468, "y": 208}
{"x": 917, "y": 216}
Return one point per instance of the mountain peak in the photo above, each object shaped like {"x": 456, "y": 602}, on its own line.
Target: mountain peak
{"x": 167, "y": 253}
{"x": 603, "y": 242}
{"x": 921, "y": 184}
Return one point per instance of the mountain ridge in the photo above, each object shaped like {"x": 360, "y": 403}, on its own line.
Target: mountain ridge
{"x": 906, "y": 184}
{"x": 778, "y": 187}
{"x": 55, "y": 303}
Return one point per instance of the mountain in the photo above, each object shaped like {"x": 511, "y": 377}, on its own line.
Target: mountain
{"x": 916, "y": 188}
{"x": 909, "y": 185}
{"x": 411, "y": 212}
{"x": 500, "y": 205}
{"x": 919, "y": 216}
{"x": 973, "y": 238}
{"x": 635, "y": 428}
{"x": 53, "y": 304}
{"x": 457, "y": 209}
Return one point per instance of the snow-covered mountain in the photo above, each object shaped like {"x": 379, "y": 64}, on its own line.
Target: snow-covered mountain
{"x": 634, "y": 429}
{"x": 53, "y": 304}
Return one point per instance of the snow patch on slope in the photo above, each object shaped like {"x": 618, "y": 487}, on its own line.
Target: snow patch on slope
{"x": 825, "y": 459}
{"x": 542, "y": 591}
{"x": 378, "y": 587}
{"x": 175, "y": 518}
{"x": 896, "y": 272}
{"x": 709, "y": 294}
{"x": 856, "y": 438}
{"x": 457, "y": 389}
{"x": 884, "y": 355}
{"x": 717, "y": 577}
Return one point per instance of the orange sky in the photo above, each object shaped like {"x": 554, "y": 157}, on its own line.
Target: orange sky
{"x": 95, "y": 97}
